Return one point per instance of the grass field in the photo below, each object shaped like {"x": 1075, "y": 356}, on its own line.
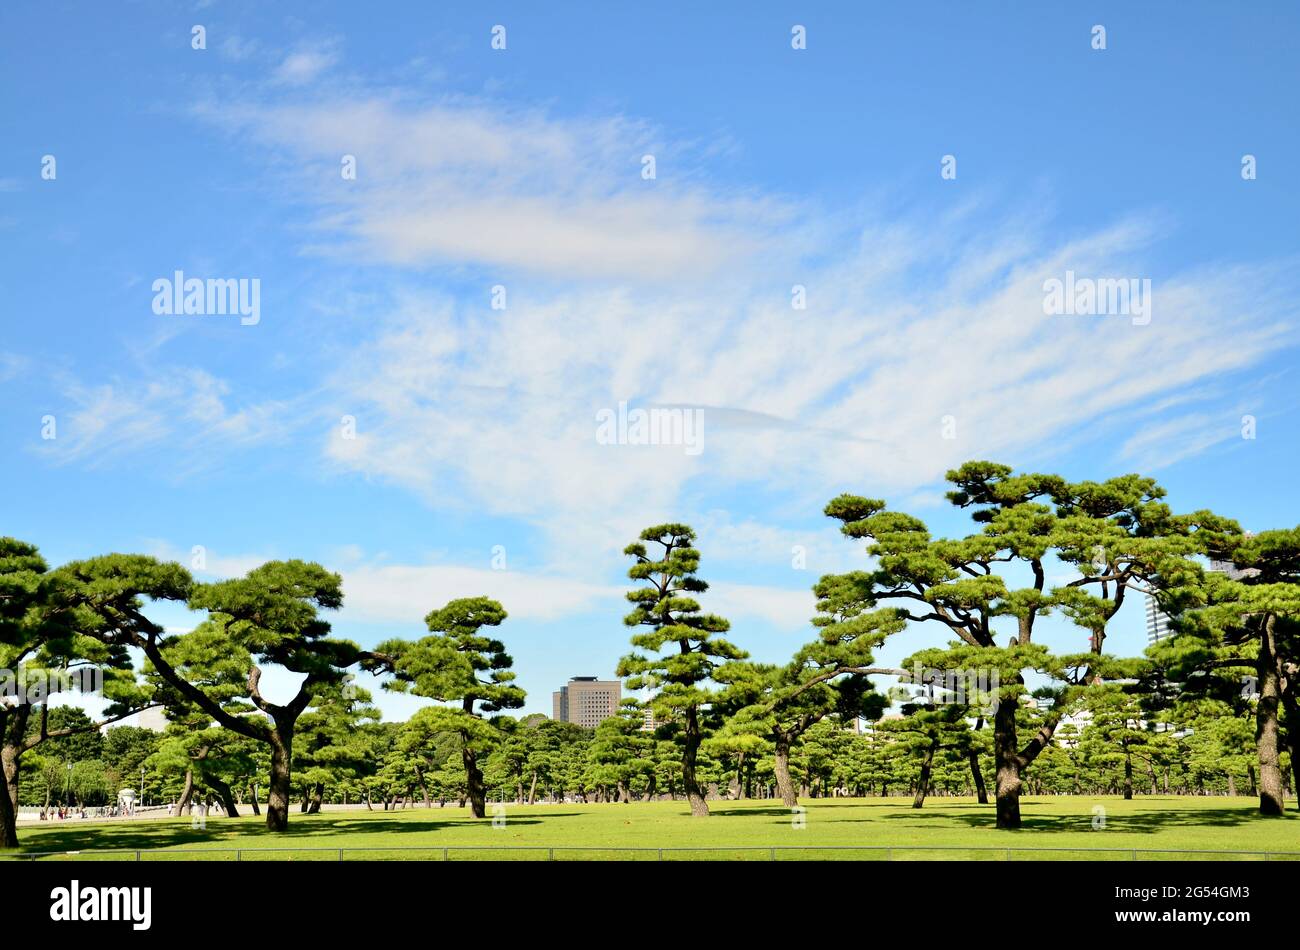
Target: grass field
{"x": 745, "y": 830}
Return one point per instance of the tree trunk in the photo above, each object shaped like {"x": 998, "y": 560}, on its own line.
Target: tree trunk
{"x": 693, "y": 736}
{"x": 9, "y": 760}
{"x": 981, "y": 792}
{"x": 257, "y": 810}
{"x": 183, "y": 804}
{"x": 1293, "y": 733}
{"x": 1266, "y": 727}
{"x": 474, "y": 780}
{"x": 13, "y": 729}
{"x": 1128, "y": 775}
{"x": 1006, "y": 759}
{"x": 927, "y": 764}
{"x": 734, "y": 787}
{"x": 227, "y": 799}
{"x": 532, "y": 789}
{"x": 278, "y": 795}
{"x": 624, "y": 793}
{"x": 317, "y": 797}
{"x": 781, "y": 766}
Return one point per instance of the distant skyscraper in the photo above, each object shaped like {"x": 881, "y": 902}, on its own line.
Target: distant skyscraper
{"x": 1157, "y": 622}
{"x": 586, "y": 701}
{"x": 648, "y": 721}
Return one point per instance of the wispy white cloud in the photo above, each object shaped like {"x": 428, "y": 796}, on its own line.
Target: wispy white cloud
{"x": 12, "y": 365}
{"x": 1160, "y": 444}
{"x": 460, "y": 182}
{"x": 376, "y": 591}
{"x": 203, "y": 563}
{"x": 924, "y": 342}
{"x": 184, "y": 413}
{"x": 304, "y": 65}
{"x": 405, "y": 593}
{"x": 758, "y": 544}
{"x": 379, "y": 592}
{"x": 784, "y": 608}
{"x": 498, "y": 409}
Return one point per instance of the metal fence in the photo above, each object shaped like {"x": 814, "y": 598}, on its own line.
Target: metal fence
{"x": 603, "y": 853}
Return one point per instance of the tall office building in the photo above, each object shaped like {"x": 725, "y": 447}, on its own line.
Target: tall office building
{"x": 586, "y": 701}
{"x": 1157, "y": 622}
{"x": 648, "y": 721}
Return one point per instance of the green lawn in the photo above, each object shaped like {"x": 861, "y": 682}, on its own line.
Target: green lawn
{"x": 743, "y": 829}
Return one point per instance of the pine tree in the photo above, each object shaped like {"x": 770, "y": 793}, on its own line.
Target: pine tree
{"x": 682, "y": 654}
{"x": 457, "y": 664}
{"x": 1117, "y": 536}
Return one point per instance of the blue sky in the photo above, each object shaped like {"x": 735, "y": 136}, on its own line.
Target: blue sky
{"x": 522, "y": 168}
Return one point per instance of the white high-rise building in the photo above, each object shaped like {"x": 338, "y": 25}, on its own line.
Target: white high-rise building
{"x": 648, "y": 721}
{"x": 1157, "y": 622}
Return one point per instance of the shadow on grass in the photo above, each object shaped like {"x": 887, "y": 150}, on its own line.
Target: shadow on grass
{"x": 243, "y": 833}
{"x": 723, "y": 811}
{"x": 1156, "y": 816}
{"x": 1141, "y": 822}
{"x": 734, "y": 808}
